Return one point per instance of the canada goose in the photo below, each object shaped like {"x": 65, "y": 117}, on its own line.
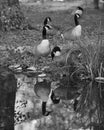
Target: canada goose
{"x": 74, "y": 33}
{"x": 62, "y": 59}
{"x": 56, "y": 51}
{"x": 42, "y": 49}
{"x": 44, "y": 92}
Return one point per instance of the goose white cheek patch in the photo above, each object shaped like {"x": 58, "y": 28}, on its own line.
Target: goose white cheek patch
{"x": 57, "y": 53}
{"x": 78, "y": 12}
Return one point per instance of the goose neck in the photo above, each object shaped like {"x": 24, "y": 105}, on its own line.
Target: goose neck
{"x": 76, "y": 20}
{"x": 44, "y": 33}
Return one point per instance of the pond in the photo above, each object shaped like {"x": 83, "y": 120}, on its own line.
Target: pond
{"x": 80, "y": 90}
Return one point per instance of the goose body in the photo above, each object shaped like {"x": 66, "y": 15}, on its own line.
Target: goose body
{"x": 76, "y": 32}
{"x": 43, "y": 49}
{"x": 42, "y": 90}
{"x": 61, "y": 60}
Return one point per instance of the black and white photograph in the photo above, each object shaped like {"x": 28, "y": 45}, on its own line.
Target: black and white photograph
{"x": 51, "y": 64}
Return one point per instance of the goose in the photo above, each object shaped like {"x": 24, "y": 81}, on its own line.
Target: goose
{"x": 44, "y": 92}
{"x": 74, "y": 33}
{"x": 56, "y": 51}
{"x": 43, "y": 49}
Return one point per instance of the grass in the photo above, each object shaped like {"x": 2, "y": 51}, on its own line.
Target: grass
{"x": 92, "y": 93}
{"x": 62, "y": 19}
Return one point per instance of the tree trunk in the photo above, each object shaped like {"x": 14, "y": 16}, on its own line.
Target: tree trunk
{"x": 8, "y": 86}
{"x": 96, "y": 4}
{"x": 11, "y": 16}
{"x": 5, "y": 4}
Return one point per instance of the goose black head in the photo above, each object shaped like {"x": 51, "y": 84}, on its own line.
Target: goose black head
{"x": 80, "y": 8}
{"x": 54, "y": 51}
{"x": 47, "y": 19}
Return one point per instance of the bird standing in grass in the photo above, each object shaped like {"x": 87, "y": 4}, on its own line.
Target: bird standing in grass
{"x": 43, "y": 49}
{"x": 75, "y": 33}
